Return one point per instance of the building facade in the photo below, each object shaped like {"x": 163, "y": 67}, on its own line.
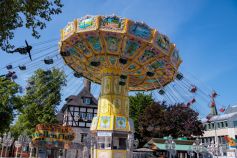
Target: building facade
{"x": 78, "y": 113}
{"x": 221, "y": 131}
{"x": 220, "y": 126}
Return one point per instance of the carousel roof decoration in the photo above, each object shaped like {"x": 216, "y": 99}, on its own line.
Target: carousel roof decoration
{"x": 97, "y": 42}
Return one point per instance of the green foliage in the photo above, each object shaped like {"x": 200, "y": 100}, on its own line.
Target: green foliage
{"x": 137, "y": 104}
{"x": 182, "y": 122}
{"x": 10, "y": 102}
{"x": 157, "y": 119}
{"x": 152, "y": 122}
{"x": 40, "y": 101}
{"x": 29, "y": 13}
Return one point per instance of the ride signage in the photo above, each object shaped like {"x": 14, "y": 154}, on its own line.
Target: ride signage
{"x": 53, "y": 133}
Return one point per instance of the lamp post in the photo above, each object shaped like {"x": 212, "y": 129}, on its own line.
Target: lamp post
{"x": 170, "y": 146}
{"x": 1, "y": 142}
{"x": 17, "y": 145}
{"x": 198, "y": 147}
{"x": 190, "y": 152}
{"x": 23, "y": 140}
{"x": 6, "y": 141}
{"x": 216, "y": 149}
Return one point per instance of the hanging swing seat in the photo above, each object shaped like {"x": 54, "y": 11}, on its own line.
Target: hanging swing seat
{"x": 48, "y": 61}
{"x": 9, "y": 67}
{"x": 179, "y": 76}
{"x": 123, "y": 61}
{"x": 193, "y": 89}
{"x": 77, "y": 75}
{"x": 65, "y": 54}
{"x": 150, "y": 74}
{"x": 22, "y": 67}
{"x": 95, "y": 63}
{"x": 161, "y": 92}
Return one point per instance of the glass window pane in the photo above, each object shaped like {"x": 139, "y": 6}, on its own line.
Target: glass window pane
{"x": 82, "y": 124}
{"x": 88, "y": 124}
{"x": 83, "y": 109}
{"x": 90, "y": 110}
{"x": 104, "y": 142}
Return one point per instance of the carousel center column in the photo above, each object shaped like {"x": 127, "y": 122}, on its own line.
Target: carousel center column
{"x": 112, "y": 126}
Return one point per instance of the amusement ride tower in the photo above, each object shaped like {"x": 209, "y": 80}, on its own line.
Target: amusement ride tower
{"x": 122, "y": 55}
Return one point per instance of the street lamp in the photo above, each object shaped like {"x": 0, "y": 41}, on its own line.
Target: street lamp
{"x": 170, "y": 146}
{"x": 198, "y": 147}
{"x": 6, "y": 141}
{"x": 216, "y": 149}
{"x": 190, "y": 152}
{"x": 23, "y": 140}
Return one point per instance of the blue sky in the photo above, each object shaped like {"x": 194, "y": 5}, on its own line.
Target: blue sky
{"x": 205, "y": 32}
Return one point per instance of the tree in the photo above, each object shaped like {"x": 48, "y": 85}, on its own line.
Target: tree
{"x": 159, "y": 120}
{"x": 10, "y": 102}
{"x": 182, "y": 121}
{"x": 151, "y": 122}
{"x": 29, "y": 13}
{"x": 40, "y": 101}
{"x": 137, "y": 104}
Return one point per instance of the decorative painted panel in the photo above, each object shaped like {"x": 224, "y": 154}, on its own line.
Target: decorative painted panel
{"x": 175, "y": 57}
{"x": 140, "y": 30}
{"x": 112, "y": 43}
{"x": 94, "y": 123}
{"x": 157, "y": 64}
{"x": 95, "y": 43}
{"x": 80, "y": 45}
{"x": 86, "y": 23}
{"x": 147, "y": 55}
{"x": 116, "y": 105}
{"x": 105, "y": 122}
{"x": 104, "y": 106}
{"x": 163, "y": 42}
{"x": 121, "y": 122}
{"x": 131, "y": 47}
{"x": 68, "y": 30}
{"x": 112, "y": 23}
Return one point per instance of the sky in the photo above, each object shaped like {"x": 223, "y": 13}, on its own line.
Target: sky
{"x": 205, "y": 32}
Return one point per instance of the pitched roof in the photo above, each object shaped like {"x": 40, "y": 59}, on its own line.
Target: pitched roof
{"x": 77, "y": 100}
{"x": 219, "y": 117}
{"x": 231, "y": 109}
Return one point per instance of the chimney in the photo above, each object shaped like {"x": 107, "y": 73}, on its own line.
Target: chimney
{"x": 87, "y": 84}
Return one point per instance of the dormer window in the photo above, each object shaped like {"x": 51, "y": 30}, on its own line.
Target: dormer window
{"x": 87, "y": 101}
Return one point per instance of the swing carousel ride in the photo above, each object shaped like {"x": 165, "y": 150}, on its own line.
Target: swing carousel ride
{"x": 121, "y": 55}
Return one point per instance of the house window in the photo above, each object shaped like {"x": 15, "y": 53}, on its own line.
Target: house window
{"x": 82, "y": 115}
{"x": 226, "y": 124}
{"x": 235, "y": 123}
{"x": 88, "y": 124}
{"x": 89, "y": 116}
{"x": 82, "y": 124}
{"x": 83, "y": 137}
{"x": 104, "y": 142}
{"x": 87, "y": 101}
